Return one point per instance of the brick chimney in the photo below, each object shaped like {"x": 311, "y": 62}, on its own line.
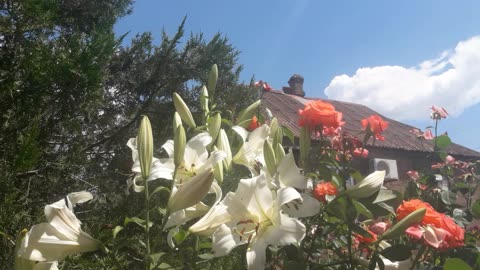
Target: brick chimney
{"x": 295, "y": 86}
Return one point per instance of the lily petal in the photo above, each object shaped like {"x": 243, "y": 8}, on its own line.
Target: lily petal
{"x": 196, "y": 150}
{"x": 256, "y": 256}
{"x": 289, "y": 173}
{"x": 224, "y": 240}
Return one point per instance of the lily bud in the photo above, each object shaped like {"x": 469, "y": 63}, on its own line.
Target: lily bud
{"x": 145, "y": 146}
{"x": 204, "y": 99}
{"x": 278, "y": 136}
{"x": 269, "y": 156}
{"x": 218, "y": 169}
{"x": 177, "y": 121}
{"x": 279, "y": 152}
{"x": 183, "y": 110}
{"x": 305, "y": 141}
{"x": 399, "y": 228}
{"x": 212, "y": 79}
{"x": 224, "y": 145}
{"x": 273, "y": 126}
{"x": 368, "y": 186}
{"x": 179, "y": 143}
{"x": 191, "y": 192}
{"x": 213, "y": 126}
{"x": 245, "y": 116}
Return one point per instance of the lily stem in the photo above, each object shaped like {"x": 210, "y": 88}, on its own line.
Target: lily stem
{"x": 418, "y": 256}
{"x": 167, "y": 213}
{"x": 147, "y": 225}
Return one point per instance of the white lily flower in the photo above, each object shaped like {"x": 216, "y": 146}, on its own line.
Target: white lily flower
{"x": 252, "y": 216}
{"x": 161, "y": 168}
{"x": 290, "y": 177}
{"x": 251, "y": 152}
{"x": 61, "y": 236}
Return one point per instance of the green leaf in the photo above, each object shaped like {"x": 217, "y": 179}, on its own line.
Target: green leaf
{"x": 180, "y": 236}
{"x": 384, "y": 195}
{"x": 293, "y": 265}
{"x": 456, "y": 264}
{"x": 140, "y": 222}
{"x": 158, "y": 189}
{"x": 397, "y": 253}
{"x": 443, "y": 141}
{"x": 476, "y": 209}
{"x": 156, "y": 257}
{"x": 361, "y": 209}
{"x": 448, "y": 197}
{"x": 206, "y": 256}
{"x": 359, "y": 230}
{"x": 287, "y": 132}
{"x": 116, "y": 230}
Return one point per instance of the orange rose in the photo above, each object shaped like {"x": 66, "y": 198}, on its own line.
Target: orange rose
{"x": 323, "y": 189}
{"x": 407, "y": 207}
{"x": 376, "y": 124}
{"x": 318, "y": 113}
{"x": 455, "y": 234}
{"x": 253, "y": 124}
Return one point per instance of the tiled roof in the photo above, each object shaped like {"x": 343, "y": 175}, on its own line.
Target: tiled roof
{"x": 285, "y": 107}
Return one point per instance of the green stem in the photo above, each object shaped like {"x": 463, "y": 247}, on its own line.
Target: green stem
{"x": 147, "y": 226}
{"x": 418, "y": 256}
{"x": 167, "y": 213}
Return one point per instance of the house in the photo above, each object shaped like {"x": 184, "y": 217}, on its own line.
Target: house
{"x": 401, "y": 150}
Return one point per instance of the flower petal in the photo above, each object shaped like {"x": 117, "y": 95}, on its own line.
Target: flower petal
{"x": 196, "y": 150}
{"x": 286, "y": 231}
{"x": 45, "y": 243}
{"x": 289, "y": 173}
{"x": 224, "y": 240}
{"x": 307, "y": 208}
{"x": 256, "y": 256}
{"x": 286, "y": 195}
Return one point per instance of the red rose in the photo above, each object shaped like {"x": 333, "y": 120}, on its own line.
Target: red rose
{"x": 318, "y": 113}
{"x": 323, "y": 189}
{"x": 376, "y": 125}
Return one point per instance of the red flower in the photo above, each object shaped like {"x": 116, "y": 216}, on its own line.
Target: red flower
{"x": 438, "y": 113}
{"x": 323, "y": 189}
{"x": 413, "y": 175}
{"x": 366, "y": 239}
{"x": 318, "y": 113}
{"x": 360, "y": 152}
{"x": 376, "y": 126}
{"x": 253, "y": 124}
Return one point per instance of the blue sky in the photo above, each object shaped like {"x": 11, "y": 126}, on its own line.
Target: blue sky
{"x": 396, "y": 57}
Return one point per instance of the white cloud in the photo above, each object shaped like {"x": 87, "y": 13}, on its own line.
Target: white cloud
{"x": 451, "y": 81}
